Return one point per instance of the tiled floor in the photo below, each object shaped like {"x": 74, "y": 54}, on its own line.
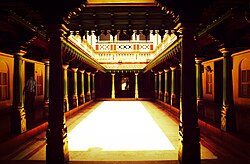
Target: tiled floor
{"x": 112, "y": 131}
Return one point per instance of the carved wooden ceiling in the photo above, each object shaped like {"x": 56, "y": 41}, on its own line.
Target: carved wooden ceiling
{"x": 220, "y": 22}
{"x": 121, "y": 17}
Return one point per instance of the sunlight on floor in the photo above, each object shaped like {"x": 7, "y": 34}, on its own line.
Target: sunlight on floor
{"x": 118, "y": 126}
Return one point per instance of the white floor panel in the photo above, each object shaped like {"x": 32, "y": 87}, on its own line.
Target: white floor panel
{"x": 118, "y": 126}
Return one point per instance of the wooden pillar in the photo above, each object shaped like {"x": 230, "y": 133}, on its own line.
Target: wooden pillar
{"x": 199, "y": 89}
{"x": 156, "y": 89}
{"x": 160, "y": 91}
{"x": 173, "y": 83}
{"x": 88, "y": 95}
{"x": 18, "y": 114}
{"x": 93, "y": 86}
{"x": 189, "y": 132}
{"x": 82, "y": 95}
{"x": 227, "y": 111}
{"x": 113, "y": 86}
{"x": 166, "y": 94}
{"x": 136, "y": 86}
{"x": 46, "y": 88}
{"x": 57, "y": 139}
{"x": 75, "y": 93}
{"x": 65, "y": 88}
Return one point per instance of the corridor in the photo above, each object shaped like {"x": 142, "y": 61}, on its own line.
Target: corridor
{"x": 114, "y": 132}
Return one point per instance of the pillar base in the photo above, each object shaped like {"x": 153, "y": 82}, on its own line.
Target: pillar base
{"x": 93, "y": 94}
{"x": 160, "y": 95}
{"x": 227, "y": 118}
{"x": 45, "y": 109}
{"x": 173, "y": 100}
{"x": 88, "y": 96}
{"x": 57, "y": 146}
{"x": 65, "y": 105}
{"x": 156, "y": 94}
{"x": 136, "y": 95}
{"x": 18, "y": 120}
{"x": 82, "y": 99}
{"x": 189, "y": 144}
{"x": 200, "y": 108}
{"x": 166, "y": 97}
{"x": 74, "y": 102}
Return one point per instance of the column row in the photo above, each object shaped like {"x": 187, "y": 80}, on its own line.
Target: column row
{"x": 168, "y": 95}
{"x": 227, "y": 111}
{"x": 136, "y": 91}
{"x": 75, "y": 99}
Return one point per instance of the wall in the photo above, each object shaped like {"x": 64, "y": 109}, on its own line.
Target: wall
{"x": 7, "y": 61}
{"x": 208, "y": 96}
{"x": 103, "y": 86}
{"x": 241, "y": 60}
{"x": 213, "y": 102}
{"x": 40, "y": 71}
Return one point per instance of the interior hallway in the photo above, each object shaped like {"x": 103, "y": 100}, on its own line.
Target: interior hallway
{"x": 111, "y": 131}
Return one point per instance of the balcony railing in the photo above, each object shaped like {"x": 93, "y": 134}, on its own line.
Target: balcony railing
{"x": 124, "y": 57}
{"x": 167, "y": 41}
{"x": 122, "y": 46}
{"x": 122, "y": 51}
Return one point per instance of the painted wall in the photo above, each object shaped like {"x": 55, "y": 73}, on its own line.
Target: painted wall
{"x": 207, "y": 96}
{"x": 40, "y": 71}
{"x": 213, "y": 104}
{"x": 7, "y": 62}
{"x": 241, "y": 61}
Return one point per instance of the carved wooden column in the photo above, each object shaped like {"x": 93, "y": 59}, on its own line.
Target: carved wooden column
{"x": 156, "y": 89}
{"x": 136, "y": 86}
{"x": 18, "y": 114}
{"x": 65, "y": 88}
{"x": 88, "y": 95}
{"x": 173, "y": 81}
{"x": 93, "y": 86}
{"x": 160, "y": 91}
{"x": 113, "y": 86}
{"x": 189, "y": 132}
{"x": 75, "y": 93}
{"x": 57, "y": 139}
{"x": 166, "y": 94}
{"x": 227, "y": 111}
{"x": 46, "y": 88}
{"x": 82, "y": 95}
{"x": 199, "y": 89}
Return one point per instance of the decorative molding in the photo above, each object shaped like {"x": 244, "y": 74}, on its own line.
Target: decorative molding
{"x": 166, "y": 54}
{"x": 79, "y": 53}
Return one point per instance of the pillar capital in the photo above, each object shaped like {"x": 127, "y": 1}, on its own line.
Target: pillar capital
{"x": 20, "y": 52}
{"x": 160, "y": 72}
{"x": 46, "y": 61}
{"x": 88, "y": 73}
{"x": 198, "y": 60}
{"x": 74, "y": 69}
{"x": 136, "y": 73}
{"x": 113, "y": 74}
{"x": 156, "y": 73}
{"x": 81, "y": 71}
{"x": 225, "y": 51}
{"x": 173, "y": 68}
{"x": 93, "y": 74}
{"x": 166, "y": 70}
{"x": 65, "y": 66}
